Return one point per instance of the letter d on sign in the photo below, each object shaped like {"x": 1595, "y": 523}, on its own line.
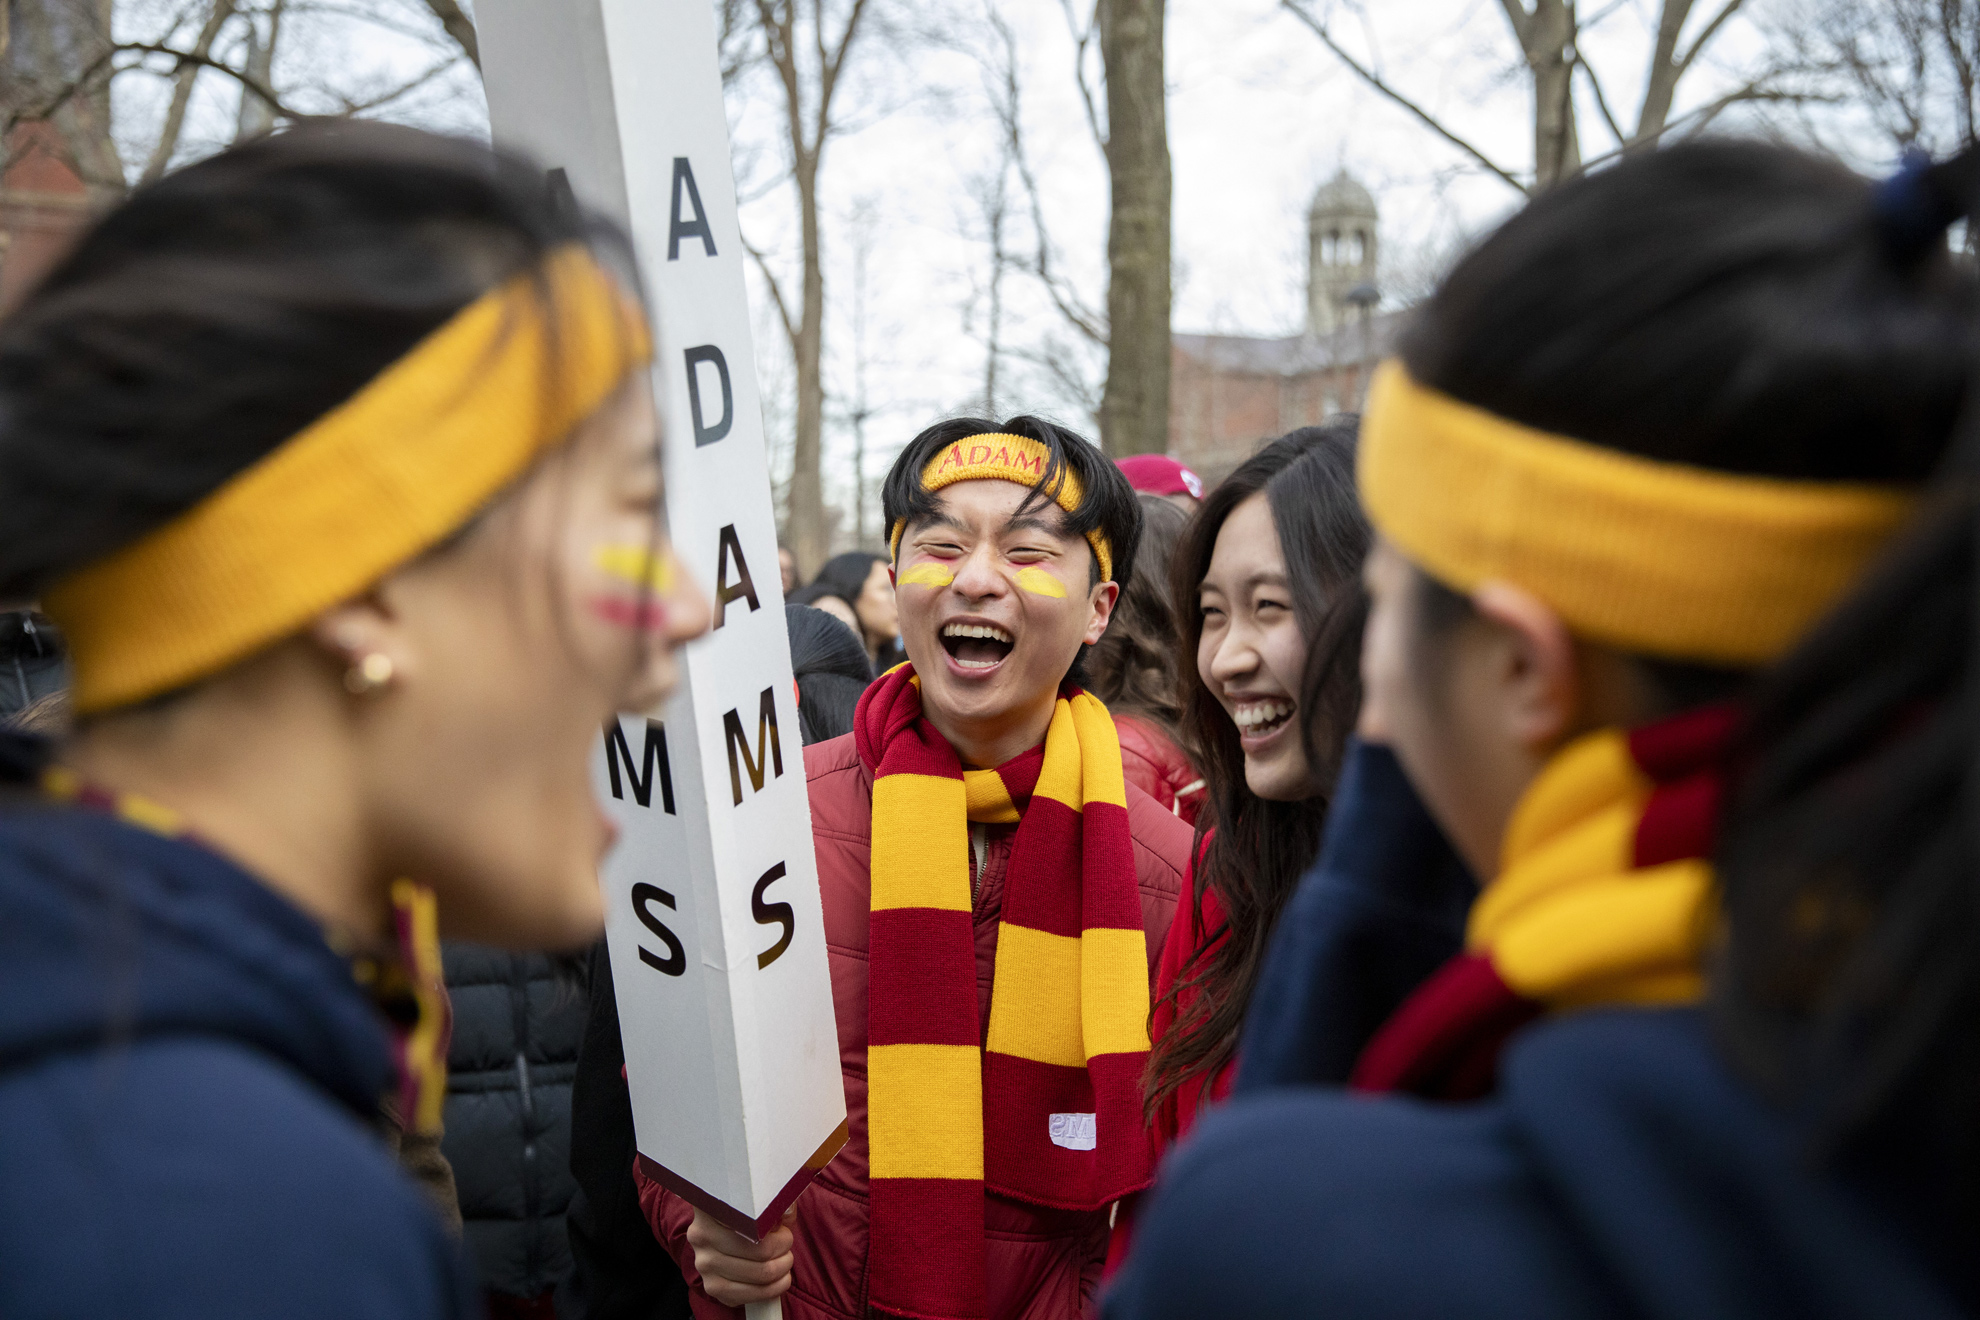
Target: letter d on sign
{"x": 704, "y": 432}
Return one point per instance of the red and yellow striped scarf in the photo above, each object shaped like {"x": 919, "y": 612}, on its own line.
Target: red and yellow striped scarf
{"x": 1046, "y": 1106}
{"x": 1604, "y": 897}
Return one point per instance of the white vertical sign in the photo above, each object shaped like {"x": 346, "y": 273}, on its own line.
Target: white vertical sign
{"x": 713, "y": 914}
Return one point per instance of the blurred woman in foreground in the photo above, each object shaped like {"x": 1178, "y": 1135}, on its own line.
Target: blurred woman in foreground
{"x": 335, "y": 460}
{"x": 1641, "y": 440}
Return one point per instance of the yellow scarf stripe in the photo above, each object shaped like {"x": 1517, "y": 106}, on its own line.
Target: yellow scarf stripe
{"x": 916, "y": 1093}
{"x": 1651, "y": 557}
{"x": 920, "y": 843}
{"x": 1038, "y": 1012}
{"x": 386, "y": 475}
{"x": 1113, "y": 991}
{"x": 1570, "y": 920}
{"x": 988, "y": 801}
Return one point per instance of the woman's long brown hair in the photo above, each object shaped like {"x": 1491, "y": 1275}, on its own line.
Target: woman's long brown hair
{"x": 1249, "y": 850}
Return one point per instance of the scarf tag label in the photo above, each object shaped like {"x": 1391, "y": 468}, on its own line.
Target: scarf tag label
{"x": 1075, "y": 1131}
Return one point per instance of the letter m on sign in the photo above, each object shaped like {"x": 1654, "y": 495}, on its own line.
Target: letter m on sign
{"x": 766, "y": 728}
{"x": 639, "y": 774}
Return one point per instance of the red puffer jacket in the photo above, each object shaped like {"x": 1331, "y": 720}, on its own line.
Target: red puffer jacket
{"x": 1043, "y": 1264}
{"x": 1154, "y": 764}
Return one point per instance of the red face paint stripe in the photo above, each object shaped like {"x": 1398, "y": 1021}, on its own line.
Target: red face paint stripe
{"x": 642, "y": 615}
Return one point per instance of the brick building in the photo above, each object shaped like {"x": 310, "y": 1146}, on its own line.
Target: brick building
{"x": 42, "y": 203}
{"x": 1228, "y": 393}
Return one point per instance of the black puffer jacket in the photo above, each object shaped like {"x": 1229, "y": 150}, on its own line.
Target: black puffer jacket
{"x": 518, "y": 1022}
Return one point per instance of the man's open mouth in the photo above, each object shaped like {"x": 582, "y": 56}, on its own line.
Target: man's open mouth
{"x": 976, "y": 645}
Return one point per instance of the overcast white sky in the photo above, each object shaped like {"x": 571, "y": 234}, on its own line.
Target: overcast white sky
{"x": 1259, "y": 115}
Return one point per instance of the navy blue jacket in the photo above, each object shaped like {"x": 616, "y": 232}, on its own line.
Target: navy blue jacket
{"x": 1620, "y": 1171}
{"x": 1382, "y": 908}
{"x": 188, "y": 1079}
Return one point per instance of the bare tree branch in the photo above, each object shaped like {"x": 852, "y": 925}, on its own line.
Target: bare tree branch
{"x": 1082, "y": 42}
{"x": 1005, "y": 103}
{"x": 1705, "y": 35}
{"x": 1602, "y": 102}
{"x": 776, "y": 289}
{"x": 1374, "y": 80}
{"x": 386, "y": 98}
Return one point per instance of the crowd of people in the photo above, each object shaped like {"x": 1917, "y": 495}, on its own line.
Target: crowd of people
{"x": 1509, "y": 853}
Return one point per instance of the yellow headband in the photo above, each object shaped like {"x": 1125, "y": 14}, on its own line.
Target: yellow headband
{"x": 998, "y": 456}
{"x": 1654, "y": 558}
{"x": 382, "y": 477}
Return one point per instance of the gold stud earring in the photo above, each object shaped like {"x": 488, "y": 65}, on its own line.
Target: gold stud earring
{"x": 372, "y": 672}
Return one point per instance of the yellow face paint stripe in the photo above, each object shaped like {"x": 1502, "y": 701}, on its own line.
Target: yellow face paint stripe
{"x": 1040, "y": 583}
{"x": 926, "y": 575}
{"x": 638, "y": 565}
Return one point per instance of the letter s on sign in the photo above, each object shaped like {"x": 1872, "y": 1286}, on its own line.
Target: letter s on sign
{"x": 772, "y": 914}
{"x": 676, "y": 960}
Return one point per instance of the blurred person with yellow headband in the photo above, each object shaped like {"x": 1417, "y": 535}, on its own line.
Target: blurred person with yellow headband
{"x": 1637, "y": 444}
{"x": 328, "y": 455}
{"x": 995, "y": 895}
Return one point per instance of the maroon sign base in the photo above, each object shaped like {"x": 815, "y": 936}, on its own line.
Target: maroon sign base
{"x": 727, "y": 1215}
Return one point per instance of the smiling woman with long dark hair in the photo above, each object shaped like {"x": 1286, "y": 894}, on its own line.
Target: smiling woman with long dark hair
{"x": 1265, "y": 582}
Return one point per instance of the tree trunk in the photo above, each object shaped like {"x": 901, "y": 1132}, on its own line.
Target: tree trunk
{"x": 1134, "y": 409}
{"x": 1661, "y": 85}
{"x": 182, "y": 89}
{"x": 256, "y": 116}
{"x": 805, "y": 511}
{"x": 1549, "y": 46}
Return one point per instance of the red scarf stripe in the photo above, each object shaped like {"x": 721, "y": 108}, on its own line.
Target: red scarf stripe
{"x": 1049, "y": 839}
{"x": 944, "y": 1275}
{"x": 1116, "y": 1085}
{"x": 1115, "y": 902}
{"x": 910, "y": 995}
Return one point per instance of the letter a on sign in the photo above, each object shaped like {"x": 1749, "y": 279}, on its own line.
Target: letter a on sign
{"x": 726, "y": 590}
{"x": 677, "y": 228}
{"x": 712, "y": 908}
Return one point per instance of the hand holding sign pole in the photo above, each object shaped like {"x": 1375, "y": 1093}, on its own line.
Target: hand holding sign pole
{"x": 713, "y": 915}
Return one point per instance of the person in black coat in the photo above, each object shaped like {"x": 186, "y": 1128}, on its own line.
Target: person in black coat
{"x": 518, "y": 1022}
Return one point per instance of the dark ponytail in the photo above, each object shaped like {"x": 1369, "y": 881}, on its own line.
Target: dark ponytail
{"x": 1848, "y": 986}
{"x": 221, "y": 310}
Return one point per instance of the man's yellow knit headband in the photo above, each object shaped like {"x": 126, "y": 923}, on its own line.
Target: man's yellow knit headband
{"x": 1653, "y": 558}
{"x": 386, "y": 475}
{"x": 999, "y": 456}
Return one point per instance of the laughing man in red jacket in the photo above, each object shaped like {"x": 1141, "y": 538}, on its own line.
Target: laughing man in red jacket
{"x": 995, "y": 897}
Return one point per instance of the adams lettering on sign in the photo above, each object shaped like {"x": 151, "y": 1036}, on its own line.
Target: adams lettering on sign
{"x": 713, "y": 915}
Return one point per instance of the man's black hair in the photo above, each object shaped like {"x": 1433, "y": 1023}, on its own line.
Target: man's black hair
{"x": 1107, "y": 501}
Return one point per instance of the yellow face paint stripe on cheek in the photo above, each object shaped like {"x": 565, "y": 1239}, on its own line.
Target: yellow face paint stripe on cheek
{"x": 637, "y": 565}
{"x": 1040, "y": 583}
{"x": 926, "y": 575}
